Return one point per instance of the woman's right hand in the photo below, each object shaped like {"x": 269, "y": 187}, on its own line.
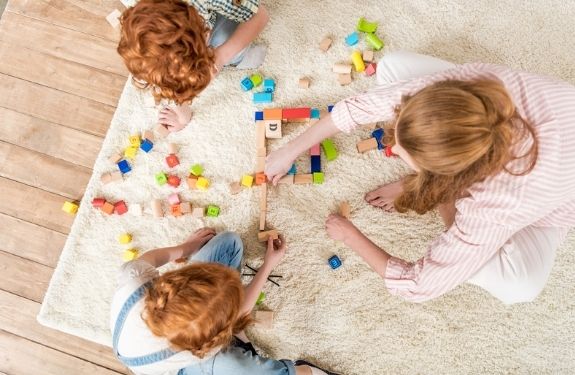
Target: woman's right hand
{"x": 278, "y": 163}
{"x": 275, "y": 252}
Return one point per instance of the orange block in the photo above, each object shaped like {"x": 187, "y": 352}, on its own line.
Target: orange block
{"x": 176, "y": 210}
{"x": 107, "y": 208}
{"x": 261, "y": 178}
{"x": 273, "y": 114}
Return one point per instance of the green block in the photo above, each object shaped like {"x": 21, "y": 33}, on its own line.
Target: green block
{"x": 261, "y": 298}
{"x": 318, "y": 178}
{"x": 196, "y": 170}
{"x": 161, "y": 178}
{"x": 256, "y": 79}
{"x": 213, "y": 211}
{"x": 329, "y": 149}
{"x": 374, "y": 41}
{"x": 366, "y": 27}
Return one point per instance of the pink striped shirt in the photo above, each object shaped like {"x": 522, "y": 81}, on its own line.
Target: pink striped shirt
{"x": 501, "y": 205}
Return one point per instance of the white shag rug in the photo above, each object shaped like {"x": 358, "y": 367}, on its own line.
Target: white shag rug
{"x": 344, "y": 320}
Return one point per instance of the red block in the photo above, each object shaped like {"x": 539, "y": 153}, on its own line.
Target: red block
{"x": 174, "y": 181}
{"x": 388, "y": 152}
{"x": 296, "y": 113}
{"x": 260, "y": 178}
{"x": 370, "y": 69}
{"x": 172, "y": 160}
{"x": 120, "y": 207}
{"x": 98, "y": 202}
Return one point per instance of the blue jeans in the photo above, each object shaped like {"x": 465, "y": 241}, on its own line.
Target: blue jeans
{"x": 226, "y": 248}
{"x": 222, "y": 31}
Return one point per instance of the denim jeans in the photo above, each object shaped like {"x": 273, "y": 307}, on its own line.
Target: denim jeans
{"x": 222, "y": 31}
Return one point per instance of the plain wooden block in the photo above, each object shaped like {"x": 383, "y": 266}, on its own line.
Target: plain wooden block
{"x": 287, "y": 179}
{"x": 260, "y": 164}
{"x": 262, "y": 151}
{"x": 300, "y": 179}
{"x": 116, "y": 158}
{"x": 325, "y": 44}
{"x": 198, "y": 212}
{"x": 149, "y": 135}
{"x": 344, "y": 209}
{"x": 161, "y": 130}
{"x": 261, "y": 134}
{"x": 366, "y": 145}
{"x": 172, "y": 148}
{"x": 157, "y": 208}
{"x": 344, "y": 79}
{"x": 264, "y": 319}
{"x": 263, "y": 205}
{"x": 235, "y": 188}
{"x": 342, "y": 68}
{"x": 304, "y": 83}
{"x": 186, "y": 208}
{"x": 273, "y": 129}
{"x": 106, "y": 178}
{"x": 114, "y": 18}
{"x": 367, "y": 55}
{"x": 263, "y": 236}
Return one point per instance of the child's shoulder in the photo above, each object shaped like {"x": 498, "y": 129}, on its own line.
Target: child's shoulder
{"x": 136, "y": 271}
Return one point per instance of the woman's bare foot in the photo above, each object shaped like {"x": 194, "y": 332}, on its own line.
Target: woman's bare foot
{"x": 384, "y": 195}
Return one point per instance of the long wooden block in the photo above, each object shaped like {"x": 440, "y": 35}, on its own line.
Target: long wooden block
{"x": 157, "y": 208}
{"x": 342, "y": 68}
{"x": 273, "y": 114}
{"x": 287, "y": 179}
{"x": 263, "y": 236}
{"x": 262, "y": 151}
{"x": 300, "y": 179}
{"x": 296, "y": 114}
{"x": 260, "y": 164}
{"x": 344, "y": 79}
{"x": 344, "y": 209}
{"x": 260, "y": 134}
{"x": 263, "y": 205}
{"x": 367, "y": 145}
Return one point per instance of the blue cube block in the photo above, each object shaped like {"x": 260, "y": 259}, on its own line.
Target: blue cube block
{"x": 329, "y": 108}
{"x": 334, "y": 262}
{"x": 258, "y": 116}
{"x": 352, "y": 39}
{"x": 247, "y": 84}
{"x": 315, "y": 163}
{"x": 146, "y": 145}
{"x": 293, "y": 169}
{"x": 262, "y": 97}
{"x": 124, "y": 166}
{"x": 378, "y": 135}
{"x": 314, "y": 113}
{"x": 269, "y": 85}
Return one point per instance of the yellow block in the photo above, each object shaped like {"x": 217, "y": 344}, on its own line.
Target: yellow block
{"x": 130, "y": 254}
{"x": 125, "y": 238}
{"x": 247, "y": 180}
{"x": 202, "y": 183}
{"x": 357, "y": 60}
{"x": 135, "y": 141}
{"x": 70, "y": 207}
{"x": 130, "y": 152}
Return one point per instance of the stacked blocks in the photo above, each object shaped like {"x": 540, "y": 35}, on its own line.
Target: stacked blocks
{"x": 196, "y": 180}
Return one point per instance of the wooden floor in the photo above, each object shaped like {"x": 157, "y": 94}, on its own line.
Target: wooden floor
{"x": 60, "y": 80}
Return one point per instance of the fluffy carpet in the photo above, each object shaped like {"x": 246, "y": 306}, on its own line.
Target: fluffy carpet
{"x": 344, "y": 320}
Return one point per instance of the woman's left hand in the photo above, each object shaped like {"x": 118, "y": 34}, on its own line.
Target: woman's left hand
{"x": 339, "y": 228}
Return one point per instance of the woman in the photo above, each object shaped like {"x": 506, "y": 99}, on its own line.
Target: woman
{"x": 493, "y": 149}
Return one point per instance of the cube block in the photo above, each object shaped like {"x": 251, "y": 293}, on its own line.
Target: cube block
{"x": 174, "y": 181}
{"x": 198, "y": 212}
{"x": 107, "y": 208}
{"x": 357, "y": 60}
{"x": 258, "y": 115}
{"x": 120, "y": 207}
{"x": 273, "y": 129}
{"x": 334, "y": 262}
{"x": 192, "y": 181}
{"x": 315, "y": 113}
{"x": 186, "y": 208}
{"x": 370, "y": 69}
{"x": 367, "y": 145}
{"x": 261, "y": 178}
{"x": 269, "y": 85}
{"x": 130, "y": 152}
{"x": 263, "y": 236}
{"x": 124, "y": 166}
{"x": 256, "y": 79}
{"x": 173, "y": 198}
{"x": 247, "y": 180}
{"x": 304, "y": 83}
{"x": 176, "y": 210}
{"x": 318, "y": 178}
{"x": 161, "y": 178}
{"x": 125, "y": 238}
{"x": 172, "y": 148}
{"x": 235, "y": 188}
{"x": 116, "y": 158}
{"x": 172, "y": 160}
{"x": 146, "y": 145}
{"x": 135, "y": 141}
{"x": 367, "y": 56}
{"x": 315, "y": 150}
{"x": 344, "y": 79}
{"x": 196, "y": 170}
{"x": 325, "y": 44}
{"x": 213, "y": 211}
{"x": 202, "y": 183}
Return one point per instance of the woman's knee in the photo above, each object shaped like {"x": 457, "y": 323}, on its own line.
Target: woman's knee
{"x": 525, "y": 289}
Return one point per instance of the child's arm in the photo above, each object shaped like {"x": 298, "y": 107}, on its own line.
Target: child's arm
{"x": 245, "y": 33}
{"x": 274, "y": 254}
{"x": 159, "y": 257}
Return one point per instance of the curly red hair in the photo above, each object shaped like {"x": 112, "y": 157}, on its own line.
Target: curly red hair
{"x": 164, "y": 45}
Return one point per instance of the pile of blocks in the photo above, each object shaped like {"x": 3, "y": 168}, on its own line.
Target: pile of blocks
{"x": 110, "y": 208}
{"x": 255, "y": 80}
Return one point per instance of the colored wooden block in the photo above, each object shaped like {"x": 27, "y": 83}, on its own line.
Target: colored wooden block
{"x": 116, "y": 176}
{"x": 125, "y": 238}
{"x": 329, "y": 108}
{"x": 264, "y": 319}
{"x": 295, "y": 114}
{"x": 388, "y": 151}
{"x": 273, "y": 129}
{"x": 367, "y": 55}
{"x": 114, "y": 18}
{"x": 130, "y": 152}
{"x": 172, "y": 160}
{"x": 301, "y": 179}
{"x": 161, "y": 178}
{"x": 256, "y": 79}
{"x": 235, "y": 188}
{"x": 186, "y": 208}
{"x": 202, "y": 183}
{"x": 374, "y": 41}
{"x": 325, "y": 44}
{"x": 263, "y": 236}
{"x": 315, "y": 163}
{"x": 293, "y": 169}
{"x": 365, "y": 26}
{"x": 344, "y": 209}
{"x": 124, "y": 166}
{"x": 212, "y": 211}
{"x": 318, "y": 178}
{"x": 146, "y": 145}
{"x": 352, "y": 39}
{"x": 196, "y": 170}
{"x": 70, "y": 207}
{"x": 116, "y": 158}
{"x": 287, "y": 179}
{"x": 161, "y": 131}
{"x": 173, "y": 198}
{"x": 315, "y": 150}
{"x": 261, "y": 298}
{"x": 269, "y": 85}
{"x": 344, "y": 79}
{"x": 258, "y": 116}
{"x": 262, "y": 97}
{"x": 174, "y": 181}
{"x": 149, "y": 135}
{"x": 172, "y": 148}
{"x": 136, "y": 209}
{"x": 198, "y": 212}
{"x": 260, "y": 164}
{"x": 98, "y": 202}
{"x": 135, "y": 140}
{"x": 260, "y": 178}
{"x": 370, "y": 69}
{"x": 120, "y": 207}
{"x": 367, "y": 145}
{"x": 378, "y": 135}
{"x": 156, "y": 205}
{"x": 130, "y": 254}
{"x": 176, "y": 210}
{"x": 357, "y": 61}
{"x": 272, "y": 114}
{"x": 192, "y": 181}
{"x": 304, "y": 83}
{"x": 107, "y": 208}
{"x": 247, "y": 84}
{"x": 329, "y": 149}
{"x": 247, "y": 180}
{"x": 342, "y": 68}
{"x": 315, "y": 113}
{"x": 334, "y": 262}
{"x": 261, "y": 133}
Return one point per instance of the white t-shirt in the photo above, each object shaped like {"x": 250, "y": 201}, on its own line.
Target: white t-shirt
{"x": 136, "y": 339}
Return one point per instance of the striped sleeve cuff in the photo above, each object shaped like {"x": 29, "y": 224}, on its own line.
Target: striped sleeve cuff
{"x": 397, "y": 275}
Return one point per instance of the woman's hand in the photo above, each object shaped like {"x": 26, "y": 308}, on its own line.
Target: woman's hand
{"x": 278, "y": 163}
{"x": 339, "y": 228}
{"x": 175, "y": 119}
{"x": 275, "y": 252}
{"x": 198, "y": 239}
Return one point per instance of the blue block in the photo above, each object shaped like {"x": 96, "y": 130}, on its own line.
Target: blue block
{"x": 247, "y": 84}
{"x": 378, "y": 135}
{"x": 315, "y": 163}
{"x": 293, "y": 169}
{"x": 329, "y": 108}
{"x": 334, "y": 262}
{"x": 259, "y": 115}
{"x": 269, "y": 85}
{"x": 352, "y": 39}
{"x": 124, "y": 166}
{"x": 146, "y": 145}
{"x": 262, "y": 97}
{"x": 314, "y": 113}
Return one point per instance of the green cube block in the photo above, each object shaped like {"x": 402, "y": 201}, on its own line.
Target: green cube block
{"x": 256, "y": 79}
{"x": 329, "y": 149}
{"x": 196, "y": 170}
{"x": 366, "y": 27}
{"x": 213, "y": 211}
{"x": 318, "y": 178}
{"x": 161, "y": 178}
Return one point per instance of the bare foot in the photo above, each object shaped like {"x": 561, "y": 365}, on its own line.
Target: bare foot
{"x": 384, "y": 195}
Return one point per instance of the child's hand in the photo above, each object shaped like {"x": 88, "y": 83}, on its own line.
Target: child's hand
{"x": 198, "y": 239}
{"x": 278, "y": 163}
{"x": 339, "y": 228}
{"x": 275, "y": 252}
{"x": 175, "y": 119}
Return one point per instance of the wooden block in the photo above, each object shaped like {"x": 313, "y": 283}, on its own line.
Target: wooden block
{"x": 192, "y": 181}
{"x": 261, "y": 179}
{"x": 366, "y": 145}
{"x": 315, "y": 150}
{"x": 304, "y": 83}
{"x": 176, "y": 210}
{"x": 117, "y": 176}
{"x": 161, "y": 130}
{"x": 172, "y": 148}
{"x": 273, "y": 129}
{"x": 116, "y": 158}
{"x": 106, "y": 178}
{"x": 263, "y": 206}
{"x": 296, "y": 114}
{"x": 260, "y": 164}
{"x": 287, "y": 179}
{"x": 114, "y": 18}
{"x": 263, "y": 236}
{"x": 344, "y": 79}
{"x": 235, "y": 188}
{"x": 342, "y": 68}
{"x": 186, "y": 208}
{"x": 272, "y": 114}
{"x": 260, "y": 134}
{"x": 344, "y": 209}
{"x": 368, "y": 55}
{"x": 247, "y": 180}
{"x": 107, "y": 208}
{"x": 147, "y": 134}
{"x": 300, "y": 179}
{"x": 325, "y": 44}
{"x": 198, "y": 212}
{"x": 264, "y": 319}
{"x": 157, "y": 208}
{"x": 262, "y": 151}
